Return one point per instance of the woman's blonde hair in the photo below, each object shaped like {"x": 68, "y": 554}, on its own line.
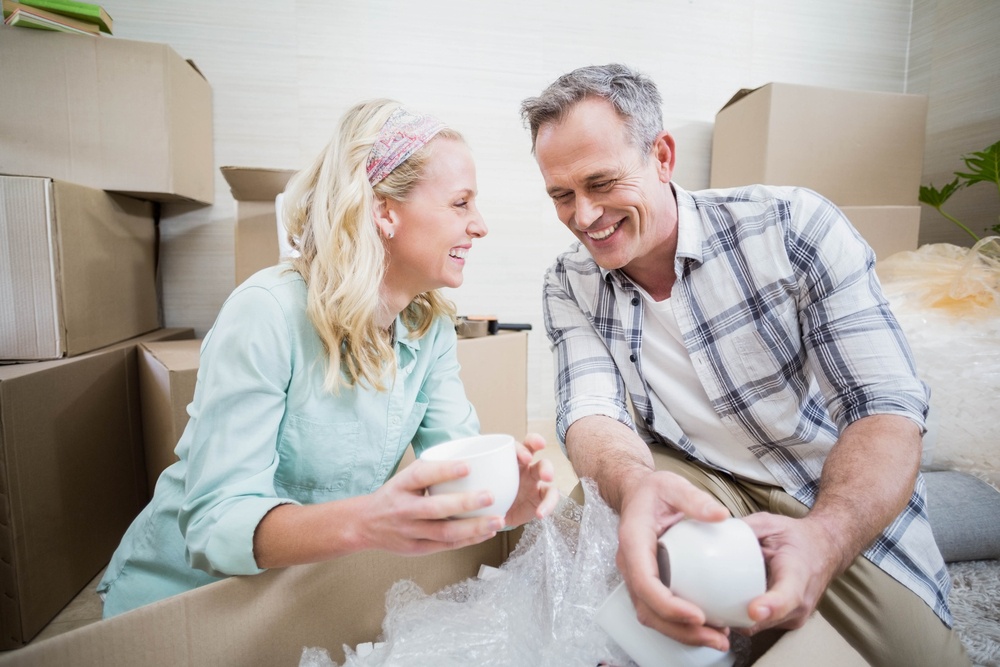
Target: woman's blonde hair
{"x": 329, "y": 214}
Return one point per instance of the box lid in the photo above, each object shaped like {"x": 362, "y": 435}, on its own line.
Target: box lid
{"x": 744, "y": 92}
{"x": 176, "y": 355}
{"x": 256, "y": 184}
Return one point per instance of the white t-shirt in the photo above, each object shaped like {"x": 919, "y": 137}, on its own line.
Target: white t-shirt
{"x": 673, "y": 382}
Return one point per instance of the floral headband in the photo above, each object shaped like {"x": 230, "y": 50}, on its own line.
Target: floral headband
{"x": 402, "y": 135}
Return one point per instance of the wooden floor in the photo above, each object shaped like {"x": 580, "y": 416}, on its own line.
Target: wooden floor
{"x": 86, "y": 607}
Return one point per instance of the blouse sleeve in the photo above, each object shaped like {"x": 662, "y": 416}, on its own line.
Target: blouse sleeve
{"x": 231, "y": 443}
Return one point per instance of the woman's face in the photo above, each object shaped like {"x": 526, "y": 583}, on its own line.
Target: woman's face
{"x": 433, "y": 229}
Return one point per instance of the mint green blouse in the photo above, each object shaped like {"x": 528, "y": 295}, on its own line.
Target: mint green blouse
{"x": 263, "y": 432}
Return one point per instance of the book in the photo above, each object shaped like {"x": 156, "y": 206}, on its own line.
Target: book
{"x": 81, "y": 11}
{"x": 32, "y": 17}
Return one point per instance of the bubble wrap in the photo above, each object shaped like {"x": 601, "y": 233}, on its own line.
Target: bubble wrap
{"x": 537, "y": 609}
{"x": 947, "y": 300}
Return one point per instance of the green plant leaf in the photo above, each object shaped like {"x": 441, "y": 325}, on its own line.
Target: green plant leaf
{"x": 983, "y": 166}
{"x": 936, "y": 198}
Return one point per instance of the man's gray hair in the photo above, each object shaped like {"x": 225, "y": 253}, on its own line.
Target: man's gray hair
{"x": 633, "y": 95}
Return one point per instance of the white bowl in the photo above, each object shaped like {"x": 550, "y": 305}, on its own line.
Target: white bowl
{"x": 646, "y": 646}
{"x": 715, "y": 565}
{"x": 492, "y": 461}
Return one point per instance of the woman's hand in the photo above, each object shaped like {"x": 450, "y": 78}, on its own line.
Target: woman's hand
{"x": 537, "y": 495}
{"x": 398, "y": 517}
{"x": 402, "y": 519}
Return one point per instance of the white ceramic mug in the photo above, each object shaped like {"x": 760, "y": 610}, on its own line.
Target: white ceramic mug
{"x": 646, "y": 646}
{"x": 492, "y": 461}
{"x": 715, "y": 565}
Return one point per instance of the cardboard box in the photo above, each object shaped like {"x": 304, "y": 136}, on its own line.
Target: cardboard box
{"x": 268, "y": 619}
{"x": 112, "y": 114}
{"x": 72, "y": 477}
{"x": 495, "y": 374}
{"x": 168, "y": 371}
{"x": 887, "y": 229}
{"x": 264, "y": 619}
{"x": 494, "y": 371}
{"x": 256, "y": 236}
{"x": 77, "y": 266}
{"x": 858, "y": 148}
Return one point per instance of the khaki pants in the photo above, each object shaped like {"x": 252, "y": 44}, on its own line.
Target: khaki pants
{"x": 882, "y": 619}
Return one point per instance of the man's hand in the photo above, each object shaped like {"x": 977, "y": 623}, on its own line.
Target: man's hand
{"x": 867, "y": 480}
{"x": 801, "y": 561}
{"x": 654, "y": 503}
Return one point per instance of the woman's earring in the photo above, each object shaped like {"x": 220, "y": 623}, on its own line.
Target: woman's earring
{"x": 390, "y": 234}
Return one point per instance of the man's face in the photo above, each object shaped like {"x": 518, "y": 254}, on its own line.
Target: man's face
{"x": 615, "y": 200}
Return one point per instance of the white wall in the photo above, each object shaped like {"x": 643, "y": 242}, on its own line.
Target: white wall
{"x": 283, "y": 71}
{"x": 955, "y": 61}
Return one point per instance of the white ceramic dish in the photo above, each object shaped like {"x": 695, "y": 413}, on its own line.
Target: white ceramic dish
{"x": 646, "y": 646}
{"x": 716, "y": 565}
{"x": 492, "y": 461}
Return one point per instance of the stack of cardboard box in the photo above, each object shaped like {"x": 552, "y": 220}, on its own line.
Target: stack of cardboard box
{"x": 92, "y": 133}
{"x": 862, "y": 150}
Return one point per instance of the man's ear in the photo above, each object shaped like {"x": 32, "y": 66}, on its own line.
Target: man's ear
{"x": 665, "y": 155}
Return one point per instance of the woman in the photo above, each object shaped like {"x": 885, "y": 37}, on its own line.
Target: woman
{"x": 319, "y": 372}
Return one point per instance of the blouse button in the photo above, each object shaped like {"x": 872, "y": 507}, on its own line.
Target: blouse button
{"x": 631, "y": 358}
{"x": 635, "y": 301}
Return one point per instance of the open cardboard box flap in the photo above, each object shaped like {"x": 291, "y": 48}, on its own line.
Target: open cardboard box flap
{"x": 265, "y": 619}
{"x": 256, "y": 183}
{"x": 269, "y": 618}
{"x": 739, "y": 95}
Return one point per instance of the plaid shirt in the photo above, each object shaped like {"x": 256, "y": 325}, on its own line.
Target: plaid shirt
{"x": 789, "y": 333}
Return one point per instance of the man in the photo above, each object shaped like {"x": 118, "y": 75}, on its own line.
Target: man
{"x": 767, "y": 377}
